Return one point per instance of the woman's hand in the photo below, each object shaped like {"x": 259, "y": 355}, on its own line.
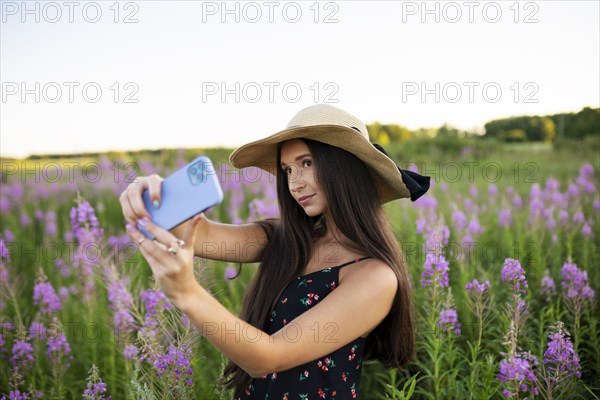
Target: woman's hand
{"x": 131, "y": 200}
{"x": 173, "y": 270}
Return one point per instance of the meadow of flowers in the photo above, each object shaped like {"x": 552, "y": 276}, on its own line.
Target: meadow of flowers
{"x": 505, "y": 276}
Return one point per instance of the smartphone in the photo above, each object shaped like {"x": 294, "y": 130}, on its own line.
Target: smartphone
{"x": 185, "y": 193}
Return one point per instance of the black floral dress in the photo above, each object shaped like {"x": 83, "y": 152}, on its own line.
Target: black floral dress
{"x": 334, "y": 376}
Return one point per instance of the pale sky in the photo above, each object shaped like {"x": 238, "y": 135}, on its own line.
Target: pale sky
{"x": 373, "y": 58}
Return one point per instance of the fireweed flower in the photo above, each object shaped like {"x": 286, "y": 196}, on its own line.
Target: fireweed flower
{"x": 437, "y": 238}
{"x": 130, "y": 352}
{"x": 37, "y": 331}
{"x": 449, "y": 321}
{"x": 579, "y": 217}
{"x": 4, "y": 253}
{"x": 513, "y": 273}
{"x": 505, "y": 218}
{"x": 518, "y": 374}
{"x": 58, "y": 347}
{"x": 436, "y": 271}
{"x": 95, "y": 387}
{"x": 475, "y": 287}
{"x": 45, "y": 296}
{"x": 548, "y": 287}
{"x": 120, "y": 302}
{"x": 517, "y": 202}
{"x": 84, "y": 223}
{"x": 575, "y": 283}
{"x": 560, "y": 358}
{"x": 459, "y": 220}
{"x": 86, "y": 229}
{"x": 175, "y": 364}
{"x": 586, "y": 231}
{"x": 22, "y": 357}
{"x": 155, "y": 302}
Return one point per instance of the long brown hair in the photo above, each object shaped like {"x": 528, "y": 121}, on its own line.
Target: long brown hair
{"x": 355, "y": 206}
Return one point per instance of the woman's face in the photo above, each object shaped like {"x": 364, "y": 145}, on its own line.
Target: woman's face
{"x": 297, "y": 163}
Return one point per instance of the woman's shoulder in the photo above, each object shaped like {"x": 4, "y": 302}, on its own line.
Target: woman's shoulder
{"x": 368, "y": 269}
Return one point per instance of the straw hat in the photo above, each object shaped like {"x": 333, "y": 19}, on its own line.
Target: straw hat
{"x": 331, "y": 125}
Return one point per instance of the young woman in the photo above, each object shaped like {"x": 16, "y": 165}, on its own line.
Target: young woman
{"x": 332, "y": 288}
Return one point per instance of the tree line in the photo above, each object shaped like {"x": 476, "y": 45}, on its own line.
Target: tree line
{"x": 519, "y": 128}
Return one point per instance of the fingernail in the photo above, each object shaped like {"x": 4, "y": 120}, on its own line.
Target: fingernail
{"x": 129, "y": 228}
{"x": 155, "y": 204}
{"x": 144, "y": 222}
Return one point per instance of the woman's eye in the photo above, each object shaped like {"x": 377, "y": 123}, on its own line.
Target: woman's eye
{"x": 307, "y": 161}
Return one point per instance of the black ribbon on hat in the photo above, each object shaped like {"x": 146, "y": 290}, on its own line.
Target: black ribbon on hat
{"x": 417, "y": 184}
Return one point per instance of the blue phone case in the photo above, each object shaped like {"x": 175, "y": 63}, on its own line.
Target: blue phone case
{"x": 185, "y": 193}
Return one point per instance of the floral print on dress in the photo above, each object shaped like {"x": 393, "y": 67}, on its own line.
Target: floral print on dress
{"x": 334, "y": 376}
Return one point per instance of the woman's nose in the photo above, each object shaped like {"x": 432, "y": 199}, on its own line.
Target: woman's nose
{"x": 295, "y": 179}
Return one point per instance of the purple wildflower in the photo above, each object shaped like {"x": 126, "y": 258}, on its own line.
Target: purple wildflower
{"x": 130, "y": 352}
{"x": 4, "y": 253}
{"x": 459, "y": 219}
{"x": 575, "y": 283}
{"x": 517, "y": 202}
{"x": 561, "y": 358}
{"x": 58, "y": 347}
{"x": 548, "y": 287}
{"x": 579, "y": 217}
{"x": 22, "y": 356}
{"x": 436, "y": 271}
{"x": 513, "y": 272}
{"x": 518, "y": 373}
{"x": 586, "y": 231}
{"x": 95, "y": 387}
{"x": 505, "y": 218}
{"x": 421, "y": 224}
{"x": 37, "y": 331}
{"x": 24, "y": 220}
{"x": 155, "y": 302}
{"x": 449, "y": 321}
{"x": 573, "y": 190}
{"x": 563, "y": 216}
{"x": 84, "y": 223}
{"x": 476, "y": 287}
{"x": 437, "y": 238}
{"x": 46, "y": 298}
{"x": 587, "y": 171}
{"x": 120, "y": 302}
{"x": 176, "y": 362}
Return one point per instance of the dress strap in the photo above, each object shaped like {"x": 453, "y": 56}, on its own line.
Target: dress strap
{"x": 354, "y": 261}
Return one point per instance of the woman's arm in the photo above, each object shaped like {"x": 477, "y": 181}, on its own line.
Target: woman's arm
{"x": 357, "y": 306}
{"x": 226, "y": 242}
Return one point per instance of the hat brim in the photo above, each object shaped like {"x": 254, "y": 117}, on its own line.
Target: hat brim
{"x": 262, "y": 153}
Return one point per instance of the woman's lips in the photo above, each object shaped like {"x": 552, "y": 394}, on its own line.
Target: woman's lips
{"x": 305, "y": 199}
